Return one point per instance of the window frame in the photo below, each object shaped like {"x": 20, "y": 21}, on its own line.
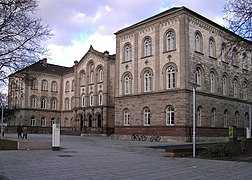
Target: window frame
{"x": 44, "y": 85}
{"x": 83, "y": 101}
{"x": 33, "y": 121}
{"x": 54, "y": 87}
{"x": 213, "y": 117}
{"x": 147, "y": 116}
{"x": 147, "y": 75}
{"x": 43, "y": 103}
{"x": 170, "y": 116}
{"x": 170, "y": 40}
{"x": 170, "y": 77}
{"x": 147, "y": 47}
{"x": 43, "y": 122}
{"x": 67, "y": 86}
{"x": 127, "y": 52}
{"x": 54, "y": 104}
{"x": 126, "y": 117}
{"x": 91, "y": 99}
{"x": 33, "y": 102}
{"x": 225, "y": 118}
{"x": 100, "y": 101}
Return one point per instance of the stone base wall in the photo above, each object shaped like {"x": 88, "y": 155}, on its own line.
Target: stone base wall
{"x": 177, "y": 133}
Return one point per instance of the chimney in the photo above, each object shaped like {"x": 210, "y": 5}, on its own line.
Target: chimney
{"x": 44, "y": 62}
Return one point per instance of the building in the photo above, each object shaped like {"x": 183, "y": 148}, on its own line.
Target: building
{"x": 79, "y": 97}
{"x": 147, "y": 87}
{"x": 158, "y": 62}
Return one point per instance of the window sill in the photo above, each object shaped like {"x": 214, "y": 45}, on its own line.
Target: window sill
{"x": 236, "y": 65}
{"x": 197, "y": 52}
{"x": 168, "y": 51}
{"x": 124, "y": 62}
{"x": 144, "y": 57}
{"x": 224, "y": 61}
{"x": 211, "y": 57}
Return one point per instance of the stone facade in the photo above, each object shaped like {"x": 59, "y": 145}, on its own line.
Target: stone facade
{"x": 67, "y": 94}
{"x": 147, "y": 89}
{"x": 160, "y": 59}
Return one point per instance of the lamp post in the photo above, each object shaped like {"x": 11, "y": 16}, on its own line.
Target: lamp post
{"x": 194, "y": 120}
{"x": 195, "y": 85}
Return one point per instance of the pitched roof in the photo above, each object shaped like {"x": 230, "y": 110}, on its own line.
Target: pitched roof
{"x": 43, "y": 67}
{"x": 174, "y": 10}
{"x": 98, "y": 53}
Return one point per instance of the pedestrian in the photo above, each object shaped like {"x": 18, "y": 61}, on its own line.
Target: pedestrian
{"x": 25, "y": 132}
{"x": 19, "y": 131}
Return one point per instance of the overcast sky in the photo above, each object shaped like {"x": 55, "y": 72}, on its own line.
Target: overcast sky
{"x": 77, "y": 24}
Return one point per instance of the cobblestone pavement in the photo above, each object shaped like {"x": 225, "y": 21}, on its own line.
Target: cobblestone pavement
{"x": 104, "y": 158}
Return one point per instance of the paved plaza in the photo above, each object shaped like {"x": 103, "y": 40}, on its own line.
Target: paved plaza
{"x": 105, "y": 158}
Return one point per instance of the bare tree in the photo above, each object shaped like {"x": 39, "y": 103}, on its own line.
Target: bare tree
{"x": 22, "y": 35}
{"x": 239, "y": 17}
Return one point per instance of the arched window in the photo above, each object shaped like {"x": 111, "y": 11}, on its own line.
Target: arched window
{"x": 100, "y": 99}
{"x": 83, "y": 101}
{"x": 33, "y": 121}
{"x": 67, "y": 86}
{"x": 127, "y": 84}
{"x": 198, "y": 115}
{"x": 198, "y": 42}
{"x": 234, "y": 56}
{"x": 244, "y": 60}
{"x": 212, "y": 82}
{"x": 147, "y": 47}
{"x": 100, "y": 75}
{"x": 91, "y": 99}
{"x": 223, "y": 51}
{"x": 67, "y": 104}
{"x": 225, "y": 119}
{"x": 146, "y": 116}
{"x": 73, "y": 85}
{"x": 224, "y": 85}
{"x": 244, "y": 90}
{"x": 236, "y": 118}
{"x": 43, "y": 121}
{"x": 54, "y": 86}
{"x": 128, "y": 53}
{"x": 170, "y": 77}
{"x": 82, "y": 78}
{"x": 33, "y": 102}
{"x": 44, "y": 85}
{"x": 91, "y": 68}
{"x": 169, "y": 115}
{"x": 54, "y": 104}
{"x": 235, "y": 88}
{"x": 211, "y": 47}
{"x": 126, "y": 116}
{"x": 43, "y": 103}
{"x": 34, "y": 84}
{"x": 213, "y": 118}
{"x": 170, "y": 40}
{"x": 147, "y": 81}
{"x": 72, "y": 103}
{"x": 91, "y": 77}
{"x": 246, "y": 120}
{"x": 199, "y": 77}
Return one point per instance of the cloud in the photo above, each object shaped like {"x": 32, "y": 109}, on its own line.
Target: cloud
{"x": 80, "y": 23}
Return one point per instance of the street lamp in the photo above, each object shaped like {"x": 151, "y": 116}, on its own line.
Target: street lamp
{"x": 195, "y": 85}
